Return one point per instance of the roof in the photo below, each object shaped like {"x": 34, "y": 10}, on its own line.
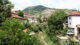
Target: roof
{"x": 43, "y": 20}
{"x": 25, "y": 13}
{"x": 14, "y": 15}
{"x": 13, "y": 12}
{"x": 77, "y": 13}
{"x": 29, "y": 16}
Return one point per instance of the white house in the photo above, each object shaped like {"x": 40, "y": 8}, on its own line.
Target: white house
{"x": 73, "y": 21}
{"x": 31, "y": 19}
{"x": 14, "y": 15}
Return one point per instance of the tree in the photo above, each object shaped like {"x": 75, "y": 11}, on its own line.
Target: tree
{"x": 32, "y": 27}
{"x": 56, "y": 20}
{"x": 12, "y": 34}
{"x": 39, "y": 19}
{"x": 5, "y": 10}
{"x": 20, "y": 13}
{"x": 55, "y": 24}
{"x": 12, "y": 24}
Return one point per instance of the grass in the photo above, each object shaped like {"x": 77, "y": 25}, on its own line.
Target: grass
{"x": 35, "y": 35}
{"x": 0, "y": 27}
{"x": 47, "y": 39}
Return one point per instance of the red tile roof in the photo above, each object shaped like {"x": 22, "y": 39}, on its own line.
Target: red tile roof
{"x": 29, "y": 16}
{"x": 14, "y": 15}
{"x": 74, "y": 14}
{"x": 43, "y": 20}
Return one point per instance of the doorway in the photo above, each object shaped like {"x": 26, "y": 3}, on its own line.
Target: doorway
{"x": 78, "y": 30}
{"x": 78, "y": 33}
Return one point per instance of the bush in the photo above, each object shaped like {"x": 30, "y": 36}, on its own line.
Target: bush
{"x": 55, "y": 24}
{"x": 12, "y": 24}
{"x": 63, "y": 32}
{"x": 12, "y": 34}
{"x": 27, "y": 25}
{"x": 32, "y": 27}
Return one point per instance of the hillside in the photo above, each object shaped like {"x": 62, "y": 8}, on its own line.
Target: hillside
{"x": 42, "y": 10}
{"x": 34, "y": 9}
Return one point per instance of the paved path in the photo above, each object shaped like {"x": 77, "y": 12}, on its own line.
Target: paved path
{"x": 40, "y": 35}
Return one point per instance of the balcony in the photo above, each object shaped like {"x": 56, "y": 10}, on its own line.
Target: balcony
{"x": 70, "y": 32}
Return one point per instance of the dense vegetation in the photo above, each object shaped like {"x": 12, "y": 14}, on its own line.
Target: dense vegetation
{"x": 12, "y": 30}
{"x": 5, "y": 10}
{"x": 34, "y": 9}
{"x": 20, "y": 13}
{"x": 55, "y": 25}
{"x": 12, "y": 34}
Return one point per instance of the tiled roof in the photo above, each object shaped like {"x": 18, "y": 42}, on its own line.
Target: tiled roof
{"x": 75, "y": 14}
{"x": 14, "y": 15}
{"x": 29, "y": 16}
{"x": 43, "y": 20}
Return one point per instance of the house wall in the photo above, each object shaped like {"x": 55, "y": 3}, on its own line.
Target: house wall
{"x": 73, "y": 21}
{"x": 32, "y": 20}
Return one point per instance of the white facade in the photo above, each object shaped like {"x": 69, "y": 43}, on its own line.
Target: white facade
{"x": 73, "y": 21}
{"x": 32, "y": 20}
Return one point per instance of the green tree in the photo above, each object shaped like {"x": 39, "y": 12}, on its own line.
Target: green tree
{"x": 12, "y": 34}
{"x": 39, "y": 19}
{"x": 56, "y": 20}
{"x": 12, "y": 24}
{"x": 32, "y": 27}
{"x": 5, "y": 10}
{"x": 20, "y": 13}
{"x": 55, "y": 24}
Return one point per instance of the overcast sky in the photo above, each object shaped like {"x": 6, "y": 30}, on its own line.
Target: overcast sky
{"x": 61, "y": 4}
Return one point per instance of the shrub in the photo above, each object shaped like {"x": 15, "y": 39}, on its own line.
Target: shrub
{"x": 12, "y": 24}
{"x": 34, "y": 28}
{"x": 12, "y": 34}
{"x": 27, "y": 25}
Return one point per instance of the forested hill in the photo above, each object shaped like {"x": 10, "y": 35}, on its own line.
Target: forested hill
{"x": 35, "y": 9}
{"x": 42, "y": 10}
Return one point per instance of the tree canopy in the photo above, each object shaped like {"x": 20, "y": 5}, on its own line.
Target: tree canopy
{"x": 5, "y": 9}
{"x": 56, "y": 20}
{"x": 12, "y": 34}
{"x": 55, "y": 24}
{"x": 20, "y": 13}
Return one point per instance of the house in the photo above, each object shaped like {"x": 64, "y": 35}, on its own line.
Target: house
{"x": 31, "y": 19}
{"x": 44, "y": 20}
{"x": 73, "y": 24}
{"x": 14, "y": 15}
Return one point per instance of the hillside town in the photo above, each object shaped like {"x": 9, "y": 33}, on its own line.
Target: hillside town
{"x": 38, "y": 25}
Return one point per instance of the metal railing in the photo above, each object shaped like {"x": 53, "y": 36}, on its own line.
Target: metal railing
{"x": 70, "y": 32}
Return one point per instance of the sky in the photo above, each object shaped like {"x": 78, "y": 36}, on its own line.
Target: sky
{"x": 60, "y": 4}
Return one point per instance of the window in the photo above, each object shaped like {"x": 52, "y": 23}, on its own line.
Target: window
{"x": 70, "y": 23}
{"x": 70, "y": 20}
{"x": 69, "y": 17}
